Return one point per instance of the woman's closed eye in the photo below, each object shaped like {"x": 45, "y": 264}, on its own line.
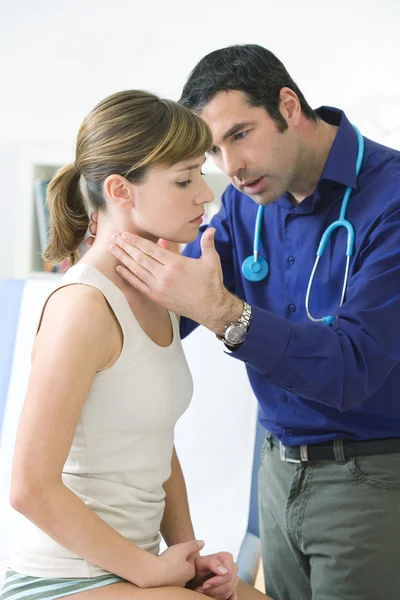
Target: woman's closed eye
{"x": 183, "y": 184}
{"x": 187, "y": 182}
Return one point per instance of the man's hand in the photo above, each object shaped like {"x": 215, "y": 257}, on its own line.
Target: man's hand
{"x": 216, "y": 576}
{"x": 189, "y": 287}
{"x": 174, "y": 246}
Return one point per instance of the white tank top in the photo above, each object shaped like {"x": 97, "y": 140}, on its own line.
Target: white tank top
{"x": 121, "y": 453}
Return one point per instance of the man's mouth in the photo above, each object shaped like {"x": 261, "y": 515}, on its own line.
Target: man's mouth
{"x": 253, "y": 185}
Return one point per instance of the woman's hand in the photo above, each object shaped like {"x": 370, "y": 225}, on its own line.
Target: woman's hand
{"x": 216, "y": 576}
{"x": 176, "y": 565}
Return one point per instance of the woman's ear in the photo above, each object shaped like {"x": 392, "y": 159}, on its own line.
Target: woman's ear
{"x": 119, "y": 191}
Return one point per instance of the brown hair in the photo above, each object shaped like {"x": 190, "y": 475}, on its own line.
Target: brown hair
{"x": 126, "y": 134}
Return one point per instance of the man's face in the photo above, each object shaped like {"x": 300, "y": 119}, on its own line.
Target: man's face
{"x": 249, "y": 148}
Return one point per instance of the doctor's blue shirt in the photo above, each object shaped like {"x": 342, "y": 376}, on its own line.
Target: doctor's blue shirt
{"x": 316, "y": 382}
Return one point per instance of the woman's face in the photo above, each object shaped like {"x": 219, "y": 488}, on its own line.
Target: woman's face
{"x": 170, "y": 202}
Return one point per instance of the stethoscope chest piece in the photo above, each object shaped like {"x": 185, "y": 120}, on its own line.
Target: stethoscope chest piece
{"x": 255, "y": 269}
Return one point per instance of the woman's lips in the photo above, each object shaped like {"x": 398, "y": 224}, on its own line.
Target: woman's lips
{"x": 198, "y": 220}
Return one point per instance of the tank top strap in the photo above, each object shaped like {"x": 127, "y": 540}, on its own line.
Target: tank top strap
{"x": 134, "y": 336}
{"x": 88, "y": 275}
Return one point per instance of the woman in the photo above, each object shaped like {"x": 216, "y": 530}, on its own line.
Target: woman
{"x": 95, "y": 471}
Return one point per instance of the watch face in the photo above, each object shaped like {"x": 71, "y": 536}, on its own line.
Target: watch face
{"x": 236, "y": 333}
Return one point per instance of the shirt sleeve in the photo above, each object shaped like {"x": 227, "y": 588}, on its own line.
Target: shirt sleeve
{"x": 223, "y": 245}
{"x": 343, "y": 365}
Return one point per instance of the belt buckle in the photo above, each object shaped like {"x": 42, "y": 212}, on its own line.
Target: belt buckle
{"x": 303, "y": 454}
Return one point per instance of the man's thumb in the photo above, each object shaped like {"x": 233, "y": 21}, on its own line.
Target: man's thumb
{"x": 207, "y": 243}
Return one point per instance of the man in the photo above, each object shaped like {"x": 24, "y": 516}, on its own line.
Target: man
{"x": 328, "y": 390}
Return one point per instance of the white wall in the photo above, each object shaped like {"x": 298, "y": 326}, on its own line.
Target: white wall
{"x": 58, "y": 59}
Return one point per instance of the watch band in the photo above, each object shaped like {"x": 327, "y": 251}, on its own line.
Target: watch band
{"x": 244, "y": 320}
{"x": 246, "y": 315}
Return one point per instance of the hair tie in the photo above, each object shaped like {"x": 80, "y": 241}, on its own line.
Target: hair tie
{"x": 76, "y": 168}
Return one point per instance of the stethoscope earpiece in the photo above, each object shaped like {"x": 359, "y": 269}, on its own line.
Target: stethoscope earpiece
{"x": 255, "y": 269}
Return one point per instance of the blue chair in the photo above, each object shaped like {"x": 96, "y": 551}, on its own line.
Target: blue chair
{"x": 10, "y": 304}
{"x": 11, "y": 292}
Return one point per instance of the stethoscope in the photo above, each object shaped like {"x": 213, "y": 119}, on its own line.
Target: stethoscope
{"x": 255, "y": 268}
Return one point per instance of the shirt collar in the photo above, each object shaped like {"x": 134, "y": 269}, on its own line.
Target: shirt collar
{"x": 341, "y": 162}
{"x": 340, "y": 166}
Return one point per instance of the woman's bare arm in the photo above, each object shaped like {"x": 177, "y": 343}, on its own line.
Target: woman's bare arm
{"x": 73, "y": 344}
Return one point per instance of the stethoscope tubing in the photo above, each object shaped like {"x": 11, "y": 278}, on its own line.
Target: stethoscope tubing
{"x": 255, "y": 268}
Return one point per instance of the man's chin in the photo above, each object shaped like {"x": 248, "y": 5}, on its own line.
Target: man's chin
{"x": 263, "y": 199}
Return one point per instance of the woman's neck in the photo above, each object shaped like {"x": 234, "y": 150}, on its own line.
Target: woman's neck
{"x": 101, "y": 258}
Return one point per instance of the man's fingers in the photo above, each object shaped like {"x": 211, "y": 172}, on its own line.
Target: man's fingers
{"x": 155, "y": 251}
{"x": 139, "y": 257}
{"x": 93, "y": 228}
{"x": 133, "y": 264}
{"x": 133, "y": 280}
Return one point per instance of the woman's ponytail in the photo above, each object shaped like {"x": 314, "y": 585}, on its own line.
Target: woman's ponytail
{"x": 68, "y": 216}
{"x": 126, "y": 134}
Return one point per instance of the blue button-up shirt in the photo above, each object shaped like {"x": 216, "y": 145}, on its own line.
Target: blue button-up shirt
{"x": 316, "y": 382}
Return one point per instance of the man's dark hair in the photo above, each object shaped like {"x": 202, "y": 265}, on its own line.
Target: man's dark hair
{"x": 251, "y": 69}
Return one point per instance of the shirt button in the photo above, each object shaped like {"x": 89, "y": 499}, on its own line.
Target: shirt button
{"x": 292, "y": 307}
{"x": 284, "y": 398}
{"x": 289, "y": 388}
{"x": 291, "y": 260}
{"x": 289, "y": 431}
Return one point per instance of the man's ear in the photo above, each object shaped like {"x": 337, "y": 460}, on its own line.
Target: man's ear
{"x": 119, "y": 191}
{"x": 289, "y": 105}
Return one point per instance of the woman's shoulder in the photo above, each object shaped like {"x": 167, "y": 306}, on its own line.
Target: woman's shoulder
{"x": 78, "y": 313}
{"x": 76, "y": 301}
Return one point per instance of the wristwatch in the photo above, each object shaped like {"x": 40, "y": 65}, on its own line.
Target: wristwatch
{"x": 235, "y": 333}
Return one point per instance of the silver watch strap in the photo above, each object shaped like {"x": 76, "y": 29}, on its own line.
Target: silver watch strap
{"x": 245, "y": 319}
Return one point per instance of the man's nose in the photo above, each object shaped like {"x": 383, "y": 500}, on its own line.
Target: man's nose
{"x": 232, "y": 165}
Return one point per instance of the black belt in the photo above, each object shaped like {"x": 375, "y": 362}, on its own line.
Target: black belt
{"x": 325, "y": 450}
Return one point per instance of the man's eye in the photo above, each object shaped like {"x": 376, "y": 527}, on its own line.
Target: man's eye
{"x": 184, "y": 184}
{"x": 240, "y": 136}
